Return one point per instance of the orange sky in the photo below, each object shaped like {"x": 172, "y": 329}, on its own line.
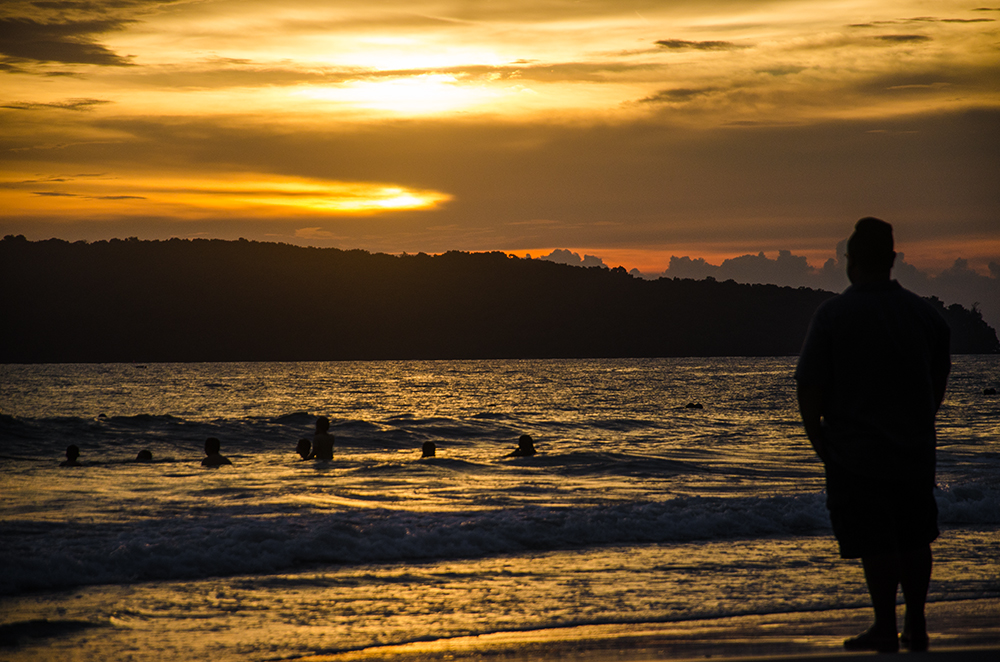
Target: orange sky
{"x": 632, "y": 131}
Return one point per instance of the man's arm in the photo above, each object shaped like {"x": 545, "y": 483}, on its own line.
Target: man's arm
{"x": 811, "y": 408}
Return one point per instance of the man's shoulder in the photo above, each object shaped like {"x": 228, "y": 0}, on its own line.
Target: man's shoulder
{"x": 862, "y": 296}
{"x": 921, "y": 304}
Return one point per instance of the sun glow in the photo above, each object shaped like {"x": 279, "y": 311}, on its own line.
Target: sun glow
{"x": 415, "y": 95}
{"x": 256, "y": 195}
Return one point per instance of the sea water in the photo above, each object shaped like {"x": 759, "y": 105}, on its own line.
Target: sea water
{"x": 638, "y": 506}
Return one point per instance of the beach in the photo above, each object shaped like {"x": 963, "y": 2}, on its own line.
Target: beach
{"x": 642, "y": 529}
{"x": 965, "y": 630}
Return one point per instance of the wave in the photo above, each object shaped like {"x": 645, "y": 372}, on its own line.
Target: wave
{"x": 48, "y": 555}
{"x": 43, "y": 555}
{"x": 579, "y": 463}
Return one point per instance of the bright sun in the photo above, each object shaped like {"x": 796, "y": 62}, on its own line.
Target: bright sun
{"x": 412, "y": 95}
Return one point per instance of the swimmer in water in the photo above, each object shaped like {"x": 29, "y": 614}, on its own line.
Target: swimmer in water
{"x": 304, "y": 448}
{"x": 322, "y": 441}
{"x": 525, "y": 447}
{"x": 213, "y": 459}
{"x": 72, "y": 453}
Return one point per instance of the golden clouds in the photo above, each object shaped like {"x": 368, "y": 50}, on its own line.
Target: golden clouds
{"x": 627, "y": 126}
{"x": 716, "y": 64}
{"x": 249, "y": 195}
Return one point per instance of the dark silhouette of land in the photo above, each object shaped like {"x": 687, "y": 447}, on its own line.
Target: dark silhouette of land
{"x": 214, "y": 300}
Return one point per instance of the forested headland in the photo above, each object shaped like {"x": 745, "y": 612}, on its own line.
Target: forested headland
{"x": 214, "y": 300}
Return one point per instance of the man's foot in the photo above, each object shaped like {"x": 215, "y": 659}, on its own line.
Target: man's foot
{"x": 915, "y": 642}
{"x": 873, "y": 641}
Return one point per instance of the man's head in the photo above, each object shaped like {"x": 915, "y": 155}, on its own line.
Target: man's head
{"x": 212, "y": 446}
{"x": 322, "y": 424}
{"x": 870, "y": 251}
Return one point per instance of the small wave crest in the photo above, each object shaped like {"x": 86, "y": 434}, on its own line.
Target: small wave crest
{"x": 226, "y": 544}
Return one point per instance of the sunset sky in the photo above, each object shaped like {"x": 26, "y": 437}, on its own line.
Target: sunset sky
{"x": 632, "y": 131}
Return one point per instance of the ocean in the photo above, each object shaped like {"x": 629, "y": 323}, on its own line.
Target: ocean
{"x": 638, "y": 508}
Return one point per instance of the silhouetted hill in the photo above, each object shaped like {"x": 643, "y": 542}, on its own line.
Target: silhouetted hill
{"x": 213, "y": 300}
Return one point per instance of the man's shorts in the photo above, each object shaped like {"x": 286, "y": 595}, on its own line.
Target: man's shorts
{"x": 872, "y": 517}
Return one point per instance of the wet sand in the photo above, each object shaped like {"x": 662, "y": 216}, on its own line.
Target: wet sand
{"x": 961, "y": 631}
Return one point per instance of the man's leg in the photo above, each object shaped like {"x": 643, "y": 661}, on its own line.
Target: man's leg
{"x": 882, "y": 576}
{"x": 915, "y": 578}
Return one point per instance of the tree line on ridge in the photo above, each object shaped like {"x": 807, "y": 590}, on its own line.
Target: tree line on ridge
{"x": 214, "y": 300}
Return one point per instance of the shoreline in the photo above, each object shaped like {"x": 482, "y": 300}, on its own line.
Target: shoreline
{"x": 961, "y": 630}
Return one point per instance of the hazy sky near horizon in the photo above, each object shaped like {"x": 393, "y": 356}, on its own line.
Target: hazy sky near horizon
{"x": 628, "y": 130}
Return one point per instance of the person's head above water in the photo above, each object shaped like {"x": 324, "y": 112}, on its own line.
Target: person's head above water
{"x": 303, "y": 448}
{"x": 212, "y": 446}
{"x": 72, "y": 452}
{"x": 870, "y": 251}
{"x": 428, "y": 449}
{"x": 144, "y": 456}
{"x": 322, "y": 424}
{"x": 526, "y": 444}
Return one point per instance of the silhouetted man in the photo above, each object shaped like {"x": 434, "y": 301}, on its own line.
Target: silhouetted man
{"x": 870, "y": 378}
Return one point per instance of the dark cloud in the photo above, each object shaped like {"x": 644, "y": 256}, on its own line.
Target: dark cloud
{"x": 903, "y": 38}
{"x": 563, "y": 256}
{"x": 55, "y": 194}
{"x": 786, "y": 269}
{"x": 957, "y": 284}
{"x": 920, "y": 19}
{"x": 786, "y": 70}
{"x": 680, "y": 44}
{"x": 69, "y": 42}
{"x": 678, "y": 95}
{"x": 956, "y": 75}
{"x": 71, "y": 104}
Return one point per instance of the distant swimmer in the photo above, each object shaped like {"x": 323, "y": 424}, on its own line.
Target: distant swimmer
{"x": 525, "y": 447}
{"x": 144, "y": 456}
{"x": 322, "y": 440}
{"x": 72, "y": 453}
{"x": 304, "y": 448}
{"x": 214, "y": 459}
{"x": 428, "y": 449}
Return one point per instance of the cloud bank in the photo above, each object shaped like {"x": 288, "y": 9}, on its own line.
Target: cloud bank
{"x": 957, "y": 284}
